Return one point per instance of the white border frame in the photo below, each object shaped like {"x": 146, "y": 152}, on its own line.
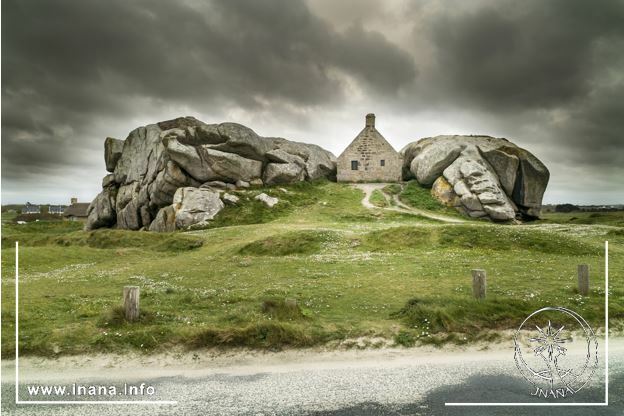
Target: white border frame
{"x": 61, "y": 402}
{"x": 606, "y": 402}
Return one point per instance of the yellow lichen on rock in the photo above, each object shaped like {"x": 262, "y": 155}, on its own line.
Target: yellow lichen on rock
{"x": 443, "y": 191}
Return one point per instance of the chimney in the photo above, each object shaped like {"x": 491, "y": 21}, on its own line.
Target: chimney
{"x": 74, "y": 201}
{"x": 370, "y": 120}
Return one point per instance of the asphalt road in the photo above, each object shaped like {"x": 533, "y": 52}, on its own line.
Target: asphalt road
{"x": 376, "y": 383}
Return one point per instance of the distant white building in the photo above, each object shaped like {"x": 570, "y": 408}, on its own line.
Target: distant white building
{"x": 56, "y": 209}
{"x": 31, "y": 209}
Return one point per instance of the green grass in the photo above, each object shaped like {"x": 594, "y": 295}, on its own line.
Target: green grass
{"x": 462, "y": 314}
{"x": 460, "y": 319}
{"x": 378, "y": 199}
{"x": 483, "y": 237}
{"x": 266, "y": 335}
{"x": 350, "y": 272}
{"x": 104, "y": 238}
{"x": 295, "y": 242}
{"x": 392, "y": 189}
{"x": 420, "y": 197}
{"x": 282, "y": 309}
{"x": 328, "y": 200}
{"x": 406, "y": 338}
{"x": 54, "y": 228}
{"x": 615, "y": 218}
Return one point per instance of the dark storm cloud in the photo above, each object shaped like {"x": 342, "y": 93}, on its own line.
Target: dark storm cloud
{"x": 514, "y": 55}
{"x": 551, "y": 67}
{"x": 546, "y": 74}
{"x": 68, "y": 63}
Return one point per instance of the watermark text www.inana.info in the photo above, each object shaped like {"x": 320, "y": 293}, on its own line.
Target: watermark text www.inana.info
{"x": 90, "y": 390}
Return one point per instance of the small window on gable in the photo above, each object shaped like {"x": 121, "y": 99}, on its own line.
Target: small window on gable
{"x": 382, "y": 162}
{"x": 354, "y": 165}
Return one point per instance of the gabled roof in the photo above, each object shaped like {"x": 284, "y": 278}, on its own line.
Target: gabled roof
{"x": 30, "y": 208}
{"x": 78, "y": 209}
{"x": 374, "y": 134}
{"x": 369, "y": 132}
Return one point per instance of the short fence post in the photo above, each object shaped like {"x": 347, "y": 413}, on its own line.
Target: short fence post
{"x": 290, "y": 302}
{"x": 583, "y": 279}
{"x": 131, "y": 302}
{"x": 478, "y": 283}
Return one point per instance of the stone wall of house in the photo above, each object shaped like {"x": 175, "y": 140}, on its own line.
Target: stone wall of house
{"x": 369, "y": 149}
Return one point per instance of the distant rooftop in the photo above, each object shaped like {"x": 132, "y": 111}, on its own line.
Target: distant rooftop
{"x": 78, "y": 209}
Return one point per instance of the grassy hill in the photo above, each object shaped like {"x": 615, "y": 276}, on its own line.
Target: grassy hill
{"x": 353, "y": 272}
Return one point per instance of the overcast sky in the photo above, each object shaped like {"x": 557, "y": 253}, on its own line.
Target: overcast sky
{"x": 548, "y": 75}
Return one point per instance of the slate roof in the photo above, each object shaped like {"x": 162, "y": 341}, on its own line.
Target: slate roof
{"x": 78, "y": 209}
{"x": 31, "y": 209}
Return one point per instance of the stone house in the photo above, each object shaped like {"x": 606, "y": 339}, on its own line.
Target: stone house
{"x": 369, "y": 158}
{"x": 76, "y": 211}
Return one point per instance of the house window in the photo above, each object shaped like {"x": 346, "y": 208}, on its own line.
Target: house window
{"x": 382, "y": 162}
{"x": 354, "y": 165}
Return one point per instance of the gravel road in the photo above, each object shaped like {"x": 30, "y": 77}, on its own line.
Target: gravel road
{"x": 377, "y": 382}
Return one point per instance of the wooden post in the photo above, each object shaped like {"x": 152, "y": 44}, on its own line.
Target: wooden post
{"x": 583, "y": 279}
{"x": 478, "y": 283}
{"x": 131, "y": 303}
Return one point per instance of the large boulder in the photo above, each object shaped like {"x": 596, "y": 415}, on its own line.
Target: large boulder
{"x": 205, "y": 164}
{"x": 281, "y": 173}
{"x": 101, "y": 211}
{"x": 157, "y": 160}
{"x": 167, "y": 182}
{"x": 190, "y": 207}
{"x": 164, "y": 221}
{"x": 432, "y": 160}
{"x": 195, "y": 206}
{"x": 488, "y": 176}
{"x": 129, "y": 217}
{"x": 243, "y": 141}
{"x": 443, "y": 192}
{"x": 141, "y": 149}
{"x": 282, "y": 156}
{"x": 112, "y": 152}
{"x": 319, "y": 163}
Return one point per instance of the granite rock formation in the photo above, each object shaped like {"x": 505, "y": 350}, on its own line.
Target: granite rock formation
{"x": 157, "y": 173}
{"x": 480, "y": 175}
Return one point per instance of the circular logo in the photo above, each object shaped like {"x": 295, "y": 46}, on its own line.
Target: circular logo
{"x": 556, "y": 351}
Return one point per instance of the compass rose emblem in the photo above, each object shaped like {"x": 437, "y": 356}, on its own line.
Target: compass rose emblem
{"x": 544, "y": 359}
